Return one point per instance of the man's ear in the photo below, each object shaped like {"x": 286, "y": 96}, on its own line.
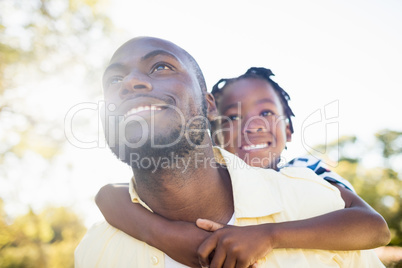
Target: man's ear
{"x": 288, "y": 132}
{"x": 212, "y": 111}
{"x": 102, "y": 114}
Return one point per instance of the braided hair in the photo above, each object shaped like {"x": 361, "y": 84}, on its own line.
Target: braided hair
{"x": 259, "y": 73}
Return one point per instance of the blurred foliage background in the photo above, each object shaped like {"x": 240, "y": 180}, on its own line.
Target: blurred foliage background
{"x": 41, "y": 40}
{"x": 379, "y": 185}
{"x": 378, "y": 182}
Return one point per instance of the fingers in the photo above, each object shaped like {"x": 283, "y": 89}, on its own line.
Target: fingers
{"x": 205, "y": 250}
{"x": 230, "y": 261}
{"x": 219, "y": 258}
{"x": 208, "y": 225}
{"x": 244, "y": 265}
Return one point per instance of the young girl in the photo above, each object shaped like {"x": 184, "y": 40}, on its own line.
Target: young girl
{"x": 247, "y": 95}
{"x": 255, "y": 125}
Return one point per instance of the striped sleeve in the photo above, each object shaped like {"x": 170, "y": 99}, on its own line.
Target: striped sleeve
{"x": 321, "y": 169}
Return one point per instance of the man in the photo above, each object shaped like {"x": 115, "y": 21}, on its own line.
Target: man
{"x": 156, "y": 110}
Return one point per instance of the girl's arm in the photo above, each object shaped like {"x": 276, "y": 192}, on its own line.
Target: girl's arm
{"x": 179, "y": 240}
{"x": 356, "y": 227}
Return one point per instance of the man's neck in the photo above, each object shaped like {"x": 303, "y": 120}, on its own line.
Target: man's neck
{"x": 193, "y": 187}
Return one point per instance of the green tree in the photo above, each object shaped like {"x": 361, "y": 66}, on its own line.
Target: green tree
{"x": 44, "y": 240}
{"x": 391, "y": 145}
{"x": 42, "y": 41}
{"x": 379, "y": 185}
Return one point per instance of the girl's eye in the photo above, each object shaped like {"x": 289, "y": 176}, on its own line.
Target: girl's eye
{"x": 234, "y": 117}
{"x": 230, "y": 118}
{"x": 266, "y": 113}
{"x": 161, "y": 67}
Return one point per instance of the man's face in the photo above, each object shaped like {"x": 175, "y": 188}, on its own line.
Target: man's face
{"x": 151, "y": 93}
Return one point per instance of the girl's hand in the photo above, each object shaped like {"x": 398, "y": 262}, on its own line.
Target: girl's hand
{"x": 232, "y": 246}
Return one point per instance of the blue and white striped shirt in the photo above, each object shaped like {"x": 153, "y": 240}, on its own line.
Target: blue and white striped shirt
{"x": 321, "y": 169}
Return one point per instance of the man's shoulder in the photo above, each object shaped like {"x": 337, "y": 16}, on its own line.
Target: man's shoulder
{"x": 302, "y": 187}
{"x": 302, "y": 184}
{"x": 297, "y": 192}
{"x": 105, "y": 246}
{"x": 288, "y": 176}
{"x": 298, "y": 174}
{"x": 321, "y": 258}
{"x": 99, "y": 236}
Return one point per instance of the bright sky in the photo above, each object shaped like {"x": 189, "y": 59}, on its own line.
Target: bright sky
{"x": 340, "y": 61}
{"x": 341, "y": 56}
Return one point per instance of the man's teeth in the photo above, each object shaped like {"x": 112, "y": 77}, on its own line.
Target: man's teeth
{"x": 255, "y": 146}
{"x": 141, "y": 109}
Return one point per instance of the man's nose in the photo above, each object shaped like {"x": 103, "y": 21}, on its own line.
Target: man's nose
{"x": 134, "y": 83}
{"x": 255, "y": 124}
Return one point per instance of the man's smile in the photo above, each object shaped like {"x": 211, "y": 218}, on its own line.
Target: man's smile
{"x": 144, "y": 106}
{"x": 144, "y": 109}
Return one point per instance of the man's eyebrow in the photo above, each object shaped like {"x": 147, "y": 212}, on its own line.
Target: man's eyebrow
{"x": 151, "y": 54}
{"x": 112, "y": 67}
{"x": 158, "y": 52}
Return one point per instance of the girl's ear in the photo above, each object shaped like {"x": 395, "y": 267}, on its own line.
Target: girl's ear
{"x": 212, "y": 111}
{"x": 288, "y": 132}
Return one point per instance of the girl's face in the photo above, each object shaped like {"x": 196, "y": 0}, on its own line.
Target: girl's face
{"x": 253, "y": 125}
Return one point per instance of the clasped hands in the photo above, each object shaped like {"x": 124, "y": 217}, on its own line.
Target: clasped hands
{"x": 233, "y": 246}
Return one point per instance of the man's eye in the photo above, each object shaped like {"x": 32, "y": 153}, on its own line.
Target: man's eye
{"x": 266, "y": 113}
{"x": 161, "y": 67}
{"x": 114, "y": 80}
